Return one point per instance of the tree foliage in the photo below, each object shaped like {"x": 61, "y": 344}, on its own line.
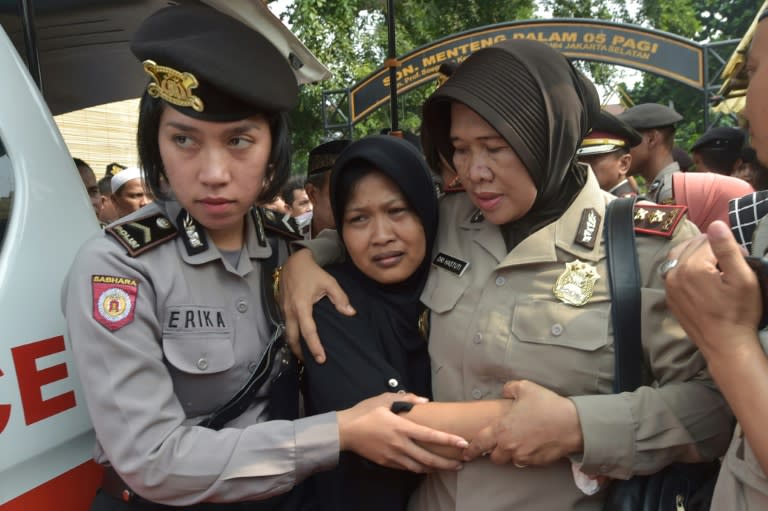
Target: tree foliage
{"x": 350, "y": 37}
{"x": 705, "y": 21}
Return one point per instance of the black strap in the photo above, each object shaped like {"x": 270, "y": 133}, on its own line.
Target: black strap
{"x": 624, "y": 281}
{"x": 242, "y": 400}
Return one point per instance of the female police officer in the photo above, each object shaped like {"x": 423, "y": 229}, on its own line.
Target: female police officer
{"x": 169, "y": 311}
{"x": 518, "y": 293}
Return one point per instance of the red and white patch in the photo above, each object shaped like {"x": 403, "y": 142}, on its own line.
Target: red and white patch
{"x": 114, "y": 300}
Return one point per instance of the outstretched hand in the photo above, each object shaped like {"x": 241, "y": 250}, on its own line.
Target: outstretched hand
{"x": 371, "y": 430}
{"x": 302, "y": 284}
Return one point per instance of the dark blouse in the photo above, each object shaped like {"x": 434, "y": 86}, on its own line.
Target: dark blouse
{"x": 378, "y": 350}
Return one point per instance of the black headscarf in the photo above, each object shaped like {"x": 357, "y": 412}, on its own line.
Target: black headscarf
{"x": 401, "y": 162}
{"x": 539, "y": 103}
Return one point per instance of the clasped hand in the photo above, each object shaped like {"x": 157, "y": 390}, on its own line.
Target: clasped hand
{"x": 539, "y": 428}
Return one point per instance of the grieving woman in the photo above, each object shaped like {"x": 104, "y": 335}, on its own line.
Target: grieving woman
{"x": 386, "y": 213}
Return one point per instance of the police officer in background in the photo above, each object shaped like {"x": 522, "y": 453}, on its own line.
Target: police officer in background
{"x": 606, "y": 150}
{"x": 319, "y": 165}
{"x": 652, "y": 158}
{"x": 192, "y": 394}
{"x": 705, "y": 194}
{"x": 719, "y": 150}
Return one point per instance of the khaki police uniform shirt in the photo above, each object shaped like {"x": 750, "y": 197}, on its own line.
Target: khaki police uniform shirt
{"x": 500, "y": 321}
{"x": 741, "y": 485}
{"x": 660, "y": 190}
{"x": 191, "y": 330}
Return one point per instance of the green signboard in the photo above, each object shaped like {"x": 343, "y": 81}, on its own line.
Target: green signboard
{"x": 657, "y": 52}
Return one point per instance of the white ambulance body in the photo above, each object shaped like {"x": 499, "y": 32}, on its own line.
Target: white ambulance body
{"x": 45, "y": 436}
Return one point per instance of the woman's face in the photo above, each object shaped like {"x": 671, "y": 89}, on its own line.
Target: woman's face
{"x": 756, "y": 110}
{"x": 494, "y": 177}
{"x": 383, "y": 236}
{"x": 215, "y": 169}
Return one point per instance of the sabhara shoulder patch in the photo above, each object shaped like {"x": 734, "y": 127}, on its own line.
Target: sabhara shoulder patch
{"x": 282, "y": 225}
{"x": 658, "y": 219}
{"x": 140, "y": 235}
{"x": 114, "y": 300}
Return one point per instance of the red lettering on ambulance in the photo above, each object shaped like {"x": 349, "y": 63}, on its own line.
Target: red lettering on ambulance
{"x": 5, "y": 412}
{"x": 31, "y": 379}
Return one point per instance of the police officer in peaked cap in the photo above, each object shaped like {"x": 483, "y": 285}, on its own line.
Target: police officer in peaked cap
{"x": 653, "y": 158}
{"x": 171, "y": 312}
{"x": 719, "y": 150}
{"x": 606, "y": 150}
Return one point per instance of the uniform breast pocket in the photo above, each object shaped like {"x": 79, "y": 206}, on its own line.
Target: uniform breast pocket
{"x": 199, "y": 353}
{"x": 442, "y": 291}
{"x": 558, "y": 324}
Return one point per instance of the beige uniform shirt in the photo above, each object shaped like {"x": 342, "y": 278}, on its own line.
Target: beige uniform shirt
{"x": 162, "y": 339}
{"x": 741, "y": 485}
{"x": 500, "y": 320}
{"x": 660, "y": 190}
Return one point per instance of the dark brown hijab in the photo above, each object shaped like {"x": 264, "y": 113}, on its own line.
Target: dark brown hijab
{"x": 539, "y": 103}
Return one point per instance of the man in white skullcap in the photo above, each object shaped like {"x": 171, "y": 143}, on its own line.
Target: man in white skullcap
{"x": 128, "y": 193}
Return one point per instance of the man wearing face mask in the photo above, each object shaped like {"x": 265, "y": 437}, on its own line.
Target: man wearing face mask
{"x": 298, "y": 204}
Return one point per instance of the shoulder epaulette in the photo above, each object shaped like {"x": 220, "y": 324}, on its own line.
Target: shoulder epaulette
{"x": 284, "y": 226}
{"x": 658, "y": 219}
{"x": 142, "y": 234}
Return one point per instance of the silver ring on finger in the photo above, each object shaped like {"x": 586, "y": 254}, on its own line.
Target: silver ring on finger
{"x": 666, "y": 266}
{"x": 519, "y": 465}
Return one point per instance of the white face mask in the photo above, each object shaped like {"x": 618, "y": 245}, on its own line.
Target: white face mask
{"x": 304, "y": 221}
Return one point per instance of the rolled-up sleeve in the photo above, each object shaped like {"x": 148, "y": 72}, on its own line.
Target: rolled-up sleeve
{"x": 681, "y": 416}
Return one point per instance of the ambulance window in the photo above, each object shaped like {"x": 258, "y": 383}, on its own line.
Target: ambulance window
{"x": 6, "y": 191}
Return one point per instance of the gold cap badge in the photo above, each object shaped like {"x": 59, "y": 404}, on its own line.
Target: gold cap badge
{"x": 173, "y": 86}
{"x": 576, "y": 284}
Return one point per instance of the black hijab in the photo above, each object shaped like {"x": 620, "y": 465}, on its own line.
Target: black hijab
{"x": 398, "y": 304}
{"x": 539, "y": 103}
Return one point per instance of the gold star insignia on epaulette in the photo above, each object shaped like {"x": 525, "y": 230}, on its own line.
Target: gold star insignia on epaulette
{"x": 658, "y": 219}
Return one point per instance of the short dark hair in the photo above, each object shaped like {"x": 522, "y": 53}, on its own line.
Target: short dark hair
{"x": 105, "y": 185}
{"x": 296, "y": 183}
{"x": 718, "y": 160}
{"x": 150, "y": 111}
{"x": 318, "y": 179}
{"x": 81, "y": 165}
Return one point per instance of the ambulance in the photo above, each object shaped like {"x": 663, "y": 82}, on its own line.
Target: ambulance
{"x": 56, "y": 57}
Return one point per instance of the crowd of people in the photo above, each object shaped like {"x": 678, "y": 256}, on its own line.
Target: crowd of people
{"x": 414, "y": 324}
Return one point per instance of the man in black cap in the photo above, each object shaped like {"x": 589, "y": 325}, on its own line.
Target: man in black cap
{"x": 719, "y": 150}
{"x": 653, "y": 158}
{"x": 319, "y": 165}
{"x": 606, "y": 150}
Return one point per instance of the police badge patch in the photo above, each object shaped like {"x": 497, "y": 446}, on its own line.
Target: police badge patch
{"x": 114, "y": 300}
{"x": 576, "y": 284}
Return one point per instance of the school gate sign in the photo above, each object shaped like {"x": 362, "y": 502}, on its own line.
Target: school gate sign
{"x": 632, "y": 46}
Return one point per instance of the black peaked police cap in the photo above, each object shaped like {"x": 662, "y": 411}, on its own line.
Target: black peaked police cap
{"x": 212, "y": 67}
{"x": 647, "y": 116}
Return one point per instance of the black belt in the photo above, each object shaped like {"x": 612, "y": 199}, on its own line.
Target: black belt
{"x": 294, "y": 500}
{"x": 114, "y": 486}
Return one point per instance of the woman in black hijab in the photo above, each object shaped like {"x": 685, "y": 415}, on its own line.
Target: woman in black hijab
{"x": 385, "y": 210}
{"x": 521, "y": 307}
